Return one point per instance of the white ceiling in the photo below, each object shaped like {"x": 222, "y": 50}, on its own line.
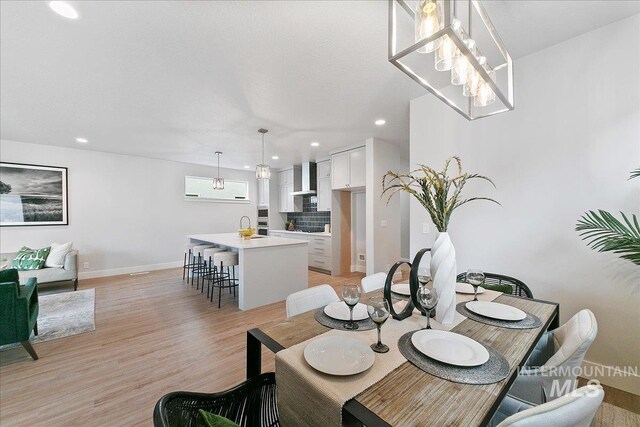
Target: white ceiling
{"x": 180, "y": 80}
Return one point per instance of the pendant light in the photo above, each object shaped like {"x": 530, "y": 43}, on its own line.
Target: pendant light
{"x": 218, "y": 183}
{"x": 263, "y": 171}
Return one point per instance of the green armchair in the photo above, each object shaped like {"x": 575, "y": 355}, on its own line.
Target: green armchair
{"x": 18, "y": 310}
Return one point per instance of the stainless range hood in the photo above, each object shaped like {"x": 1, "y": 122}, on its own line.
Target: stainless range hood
{"x": 308, "y": 180}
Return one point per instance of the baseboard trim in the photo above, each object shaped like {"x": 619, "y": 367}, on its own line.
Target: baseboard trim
{"x": 616, "y": 377}
{"x": 128, "y": 270}
{"x": 359, "y": 269}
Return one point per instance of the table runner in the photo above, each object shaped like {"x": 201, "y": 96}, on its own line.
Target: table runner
{"x": 307, "y": 397}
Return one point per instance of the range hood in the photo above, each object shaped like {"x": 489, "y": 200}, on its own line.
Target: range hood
{"x": 309, "y": 179}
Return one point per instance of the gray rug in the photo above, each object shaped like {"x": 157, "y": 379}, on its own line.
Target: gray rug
{"x": 64, "y": 314}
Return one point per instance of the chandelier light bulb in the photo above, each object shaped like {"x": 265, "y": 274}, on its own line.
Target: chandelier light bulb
{"x": 473, "y": 79}
{"x": 461, "y": 65}
{"x": 428, "y": 22}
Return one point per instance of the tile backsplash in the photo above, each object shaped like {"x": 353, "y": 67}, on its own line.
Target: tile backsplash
{"x": 309, "y": 219}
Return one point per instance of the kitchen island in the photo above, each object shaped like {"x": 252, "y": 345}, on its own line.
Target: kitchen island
{"x": 270, "y": 268}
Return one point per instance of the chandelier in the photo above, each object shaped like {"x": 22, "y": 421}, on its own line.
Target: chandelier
{"x": 218, "y": 183}
{"x": 451, "y": 48}
{"x": 263, "y": 171}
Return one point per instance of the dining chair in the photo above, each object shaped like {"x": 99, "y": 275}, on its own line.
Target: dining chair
{"x": 502, "y": 283}
{"x": 551, "y": 369}
{"x": 373, "y": 282}
{"x": 310, "y": 299}
{"x": 251, "y": 403}
{"x": 575, "y": 409}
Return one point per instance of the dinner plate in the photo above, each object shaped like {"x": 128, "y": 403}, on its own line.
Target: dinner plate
{"x": 449, "y": 347}
{"x": 339, "y": 355}
{"x": 340, "y": 311}
{"x": 401, "y": 289}
{"x": 465, "y": 288}
{"x": 496, "y": 310}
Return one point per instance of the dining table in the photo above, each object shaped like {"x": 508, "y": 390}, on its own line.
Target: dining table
{"x": 408, "y": 396}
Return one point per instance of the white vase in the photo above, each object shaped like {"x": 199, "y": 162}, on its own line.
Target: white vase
{"x": 443, "y": 273}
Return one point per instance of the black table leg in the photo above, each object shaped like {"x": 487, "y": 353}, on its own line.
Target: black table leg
{"x": 254, "y": 355}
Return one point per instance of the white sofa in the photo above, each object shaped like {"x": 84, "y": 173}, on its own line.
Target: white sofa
{"x": 68, "y": 273}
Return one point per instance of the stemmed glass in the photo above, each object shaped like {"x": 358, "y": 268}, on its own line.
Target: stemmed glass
{"x": 475, "y": 278}
{"x": 378, "y": 309}
{"x": 423, "y": 276}
{"x": 351, "y": 297}
{"x": 428, "y": 299}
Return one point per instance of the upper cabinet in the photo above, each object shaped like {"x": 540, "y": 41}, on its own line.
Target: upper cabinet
{"x": 348, "y": 169}
{"x": 323, "y": 170}
{"x": 289, "y": 180}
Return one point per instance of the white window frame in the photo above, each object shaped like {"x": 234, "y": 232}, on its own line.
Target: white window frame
{"x": 215, "y": 200}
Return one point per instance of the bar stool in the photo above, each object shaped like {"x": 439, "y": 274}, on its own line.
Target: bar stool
{"x": 188, "y": 263}
{"x": 211, "y": 269}
{"x": 199, "y": 268}
{"x": 222, "y": 260}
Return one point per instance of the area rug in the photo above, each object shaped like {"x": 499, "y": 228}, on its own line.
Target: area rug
{"x": 64, "y": 314}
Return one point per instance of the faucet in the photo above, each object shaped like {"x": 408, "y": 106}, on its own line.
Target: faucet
{"x": 248, "y": 219}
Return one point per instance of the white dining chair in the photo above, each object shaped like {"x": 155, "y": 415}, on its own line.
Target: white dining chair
{"x": 575, "y": 409}
{"x": 551, "y": 369}
{"x": 310, "y": 299}
{"x": 373, "y": 282}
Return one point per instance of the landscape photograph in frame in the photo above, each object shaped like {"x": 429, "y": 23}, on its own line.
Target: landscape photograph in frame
{"x": 32, "y": 195}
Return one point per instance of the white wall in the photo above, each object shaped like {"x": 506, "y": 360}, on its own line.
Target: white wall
{"x": 358, "y": 231}
{"x": 567, "y": 147}
{"x": 383, "y": 241}
{"x": 125, "y": 213}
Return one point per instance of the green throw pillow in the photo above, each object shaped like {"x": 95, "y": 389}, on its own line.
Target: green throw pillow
{"x": 207, "y": 419}
{"x": 30, "y": 259}
{"x": 505, "y": 289}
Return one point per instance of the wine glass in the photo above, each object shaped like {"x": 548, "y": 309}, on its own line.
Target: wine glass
{"x": 424, "y": 277}
{"x": 351, "y": 297}
{"x": 428, "y": 299}
{"x": 378, "y": 310}
{"x": 475, "y": 278}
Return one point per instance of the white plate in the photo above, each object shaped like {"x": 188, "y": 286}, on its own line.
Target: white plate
{"x": 496, "y": 310}
{"x": 339, "y": 355}
{"x": 465, "y": 288}
{"x": 449, "y": 347}
{"x": 340, "y": 311}
{"x": 401, "y": 289}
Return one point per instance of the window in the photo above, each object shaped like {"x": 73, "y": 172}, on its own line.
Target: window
{"x": 200, "y": 188}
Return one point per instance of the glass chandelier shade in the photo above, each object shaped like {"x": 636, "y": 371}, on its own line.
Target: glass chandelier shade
{"x": 451, "y": 48}
{"x": 263, "y": 171}
{"x": 218, "y": 183}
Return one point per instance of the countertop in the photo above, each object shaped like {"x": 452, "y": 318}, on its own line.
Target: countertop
{"x": 233, "y": 240}
{"x": 303, "y": 233}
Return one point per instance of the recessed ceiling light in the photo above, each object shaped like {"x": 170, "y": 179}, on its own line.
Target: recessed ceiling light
{"x": 315, "y": 144}
{"x": 82, "y": 140}
{"x": 247, "y": 167}
{"x": 63, "y": 8}
{"x": 275, "y": 157}
{"x": 380, "y": 122}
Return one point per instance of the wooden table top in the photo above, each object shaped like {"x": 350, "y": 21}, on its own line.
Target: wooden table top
{"x": 409, "y": 396}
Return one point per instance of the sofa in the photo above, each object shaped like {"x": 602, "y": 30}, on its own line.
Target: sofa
{"x": 18, "y": 310}
{"x": 69, "y": 273}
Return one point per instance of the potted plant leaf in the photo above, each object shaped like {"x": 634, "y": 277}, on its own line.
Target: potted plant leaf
{"x": 440, "y": 194}
{"x": 605, "y": 233}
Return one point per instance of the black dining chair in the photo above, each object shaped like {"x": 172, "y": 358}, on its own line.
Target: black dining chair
{"x": 502, "y": 283}
{"x": 249, "y": 404}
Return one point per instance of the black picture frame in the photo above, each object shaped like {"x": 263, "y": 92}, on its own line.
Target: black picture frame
{"x": 33, "y": 195}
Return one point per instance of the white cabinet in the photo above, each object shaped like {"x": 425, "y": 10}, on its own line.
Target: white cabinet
{"x": 323, "y": 182}
{"x": 263, "y": 192}
{"x": 289, "y": 180}
{"x": 319, "y": 248}
{"x": 348, "y": 169}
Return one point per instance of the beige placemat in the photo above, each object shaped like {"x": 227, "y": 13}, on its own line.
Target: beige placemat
{"x": 307, "y": 397}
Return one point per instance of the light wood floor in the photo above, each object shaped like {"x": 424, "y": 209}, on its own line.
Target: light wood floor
{"x": 153, "y": 335}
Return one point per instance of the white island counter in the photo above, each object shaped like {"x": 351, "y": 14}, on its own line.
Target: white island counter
{"x": 270, "y": 267}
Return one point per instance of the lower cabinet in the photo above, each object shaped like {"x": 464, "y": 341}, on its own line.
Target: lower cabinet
{"x": 319, "y": 248}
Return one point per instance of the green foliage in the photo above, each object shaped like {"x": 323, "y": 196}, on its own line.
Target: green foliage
{"x": 605, "y": 233}
{"x": 436, "y": 191}
{"x": 5, "y": 188}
